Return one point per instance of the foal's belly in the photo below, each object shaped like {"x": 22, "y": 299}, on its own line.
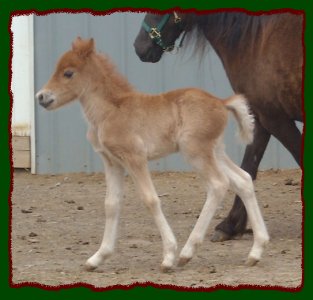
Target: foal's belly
{"x": 157, "y": 150}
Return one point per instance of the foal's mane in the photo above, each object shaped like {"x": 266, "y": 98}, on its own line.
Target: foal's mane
{"x": 108, "y": 69}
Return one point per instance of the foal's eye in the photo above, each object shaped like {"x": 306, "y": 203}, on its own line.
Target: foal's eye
{"x": 68, "y": 74}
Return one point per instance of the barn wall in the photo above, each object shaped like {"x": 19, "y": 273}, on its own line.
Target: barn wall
{"x": 61, "y": 145}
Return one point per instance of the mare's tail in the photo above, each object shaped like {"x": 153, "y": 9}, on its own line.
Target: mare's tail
{"x": 237, "y": 104}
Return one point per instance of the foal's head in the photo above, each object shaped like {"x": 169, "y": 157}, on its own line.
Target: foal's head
{"x": 158, "y": 34}
{"x": 72, "y": 76}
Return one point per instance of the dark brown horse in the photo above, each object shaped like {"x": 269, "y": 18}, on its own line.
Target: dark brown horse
{"x": 263, "y": 58}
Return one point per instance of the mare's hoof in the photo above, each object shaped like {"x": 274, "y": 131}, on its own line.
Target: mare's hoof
{"x": 220, "y": 236}
{"x": 182, "y": 261}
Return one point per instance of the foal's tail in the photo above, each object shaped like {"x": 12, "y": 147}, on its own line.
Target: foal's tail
{"x": 237, "y": 104}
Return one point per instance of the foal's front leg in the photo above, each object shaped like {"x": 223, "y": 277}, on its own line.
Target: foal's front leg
{"x": 139, "y": 171}
{"x": 114, "y": 175}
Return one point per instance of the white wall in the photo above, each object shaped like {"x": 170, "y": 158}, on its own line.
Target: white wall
{"x": 22, "y": 75}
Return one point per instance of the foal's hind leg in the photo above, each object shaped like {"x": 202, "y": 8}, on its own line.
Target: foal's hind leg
{"x": 236, "y": 221}
{"x": 217, "y": 185}
{"x": 114, "y": 175}
{"x": 241, "y": 183}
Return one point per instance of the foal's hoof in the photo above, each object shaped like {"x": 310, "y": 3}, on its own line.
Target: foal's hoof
{"x": 182, "y": 261}
{"x": 252, "y": 261}
{"x": 166, "y": 269}
{"x": 94, "y": 261}
{"x": 220, "y": 236}
{"x": 89, "y": 267}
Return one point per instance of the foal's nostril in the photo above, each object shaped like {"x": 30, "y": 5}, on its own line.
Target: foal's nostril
{"x": 40, "y": 97}
{"x": 44, "y": 98}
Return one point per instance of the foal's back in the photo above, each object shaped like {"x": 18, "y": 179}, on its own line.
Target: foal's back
{"x": 191, "y": 110}
{"x": 162, "y": 123}
{"x": 186, "y": 109}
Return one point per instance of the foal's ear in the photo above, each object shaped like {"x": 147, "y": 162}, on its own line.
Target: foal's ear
{"x": 83, "y": 47}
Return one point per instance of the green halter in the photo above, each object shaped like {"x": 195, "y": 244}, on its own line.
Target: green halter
{"x": 155, "y": 32}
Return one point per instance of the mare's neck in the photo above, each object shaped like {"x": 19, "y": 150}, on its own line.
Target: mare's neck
{"x": 230, "y": 34}
{"x": 236, "y": 38}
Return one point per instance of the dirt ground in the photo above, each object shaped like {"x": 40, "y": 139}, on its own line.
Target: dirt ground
{"x": 58, "y": 221}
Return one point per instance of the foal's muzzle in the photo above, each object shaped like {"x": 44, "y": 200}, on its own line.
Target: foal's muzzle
{"x": 45, "y": 98}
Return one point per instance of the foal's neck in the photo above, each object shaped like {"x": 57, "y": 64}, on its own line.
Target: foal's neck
{"x": 106, "y": 90}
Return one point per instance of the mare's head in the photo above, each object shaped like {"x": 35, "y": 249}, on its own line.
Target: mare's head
{"x": 158, "y": 34}
{"x": 71, "y": 77}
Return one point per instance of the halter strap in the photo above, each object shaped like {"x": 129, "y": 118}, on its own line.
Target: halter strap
{"x": 155, "y": 32}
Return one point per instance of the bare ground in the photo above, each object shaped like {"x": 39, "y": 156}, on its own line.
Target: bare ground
{"x": 58, "y": 221}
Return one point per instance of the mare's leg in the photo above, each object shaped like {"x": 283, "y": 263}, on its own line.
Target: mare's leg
{"x": 236, "y": 221}
{"x": 286, "y": 131}
{"x": 242, "y": 184}
{"x": 138, "y": 169}
{"x": 114, "y": 175}
{"x": 217, "y": 185}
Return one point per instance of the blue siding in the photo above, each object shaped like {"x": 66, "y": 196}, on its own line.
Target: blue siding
{"x": 61, "y": 145}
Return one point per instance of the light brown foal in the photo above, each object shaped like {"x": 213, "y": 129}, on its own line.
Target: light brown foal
{"x": 127, "y": 128}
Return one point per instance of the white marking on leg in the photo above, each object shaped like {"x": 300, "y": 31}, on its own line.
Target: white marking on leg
{"x": 242, "y": 184}
{"x": 216, "y": 192}
{"x": 114, "y": 194}
{"x": 148, "y": 194}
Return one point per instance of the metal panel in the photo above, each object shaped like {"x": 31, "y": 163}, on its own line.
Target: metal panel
{"x": 60, "y": 136}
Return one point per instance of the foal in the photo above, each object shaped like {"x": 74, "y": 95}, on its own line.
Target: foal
{"x": 127, "y": 128}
